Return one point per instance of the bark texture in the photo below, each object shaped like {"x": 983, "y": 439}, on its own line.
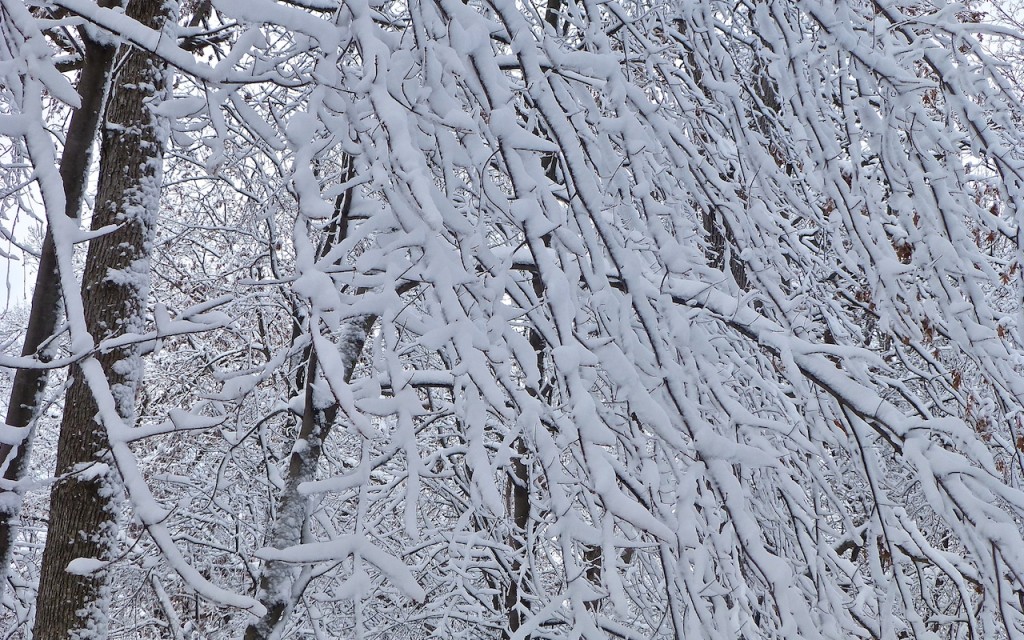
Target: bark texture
{"x": 277, "y": 579}
{"x": 85, "y": 500}
{"x": 30, "y": 383}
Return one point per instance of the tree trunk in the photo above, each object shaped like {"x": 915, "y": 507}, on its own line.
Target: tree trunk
{"x": 519, "y": 497}
{"x": 292, "y": 515}
{"x": 277, "y": 578}
{"x": 30, "y": 383}
{"x": 85, "y": 500}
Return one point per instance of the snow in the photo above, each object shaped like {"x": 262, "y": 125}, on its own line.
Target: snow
{"x": 86, "y": 566}
{"x": 390, "y": 566}
{"x": 13, "y": 435}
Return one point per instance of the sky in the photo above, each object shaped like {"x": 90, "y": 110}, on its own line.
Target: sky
{"x": 13, "y": 288}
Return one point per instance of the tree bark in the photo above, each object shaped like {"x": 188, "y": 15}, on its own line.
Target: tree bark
{"x": 30, "y": 383}
{"x": 85, "y": 500}
{"x": 519, "y": 496}
{"x": 292, "y": 514}
{"x": 290, "y": 524}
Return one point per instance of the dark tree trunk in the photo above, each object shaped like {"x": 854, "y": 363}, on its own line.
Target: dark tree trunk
{"x": 519, "y": 498}
{"x": 515, "y": 604}
{"x": 85, "y": 499}
{"x": 30, "y": 383}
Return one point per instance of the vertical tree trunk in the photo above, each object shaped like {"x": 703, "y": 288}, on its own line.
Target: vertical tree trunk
{"x": 30, "y": 383}
{"x": 519, "y": 498}
{"x": 277, "y": 578}
{"x": 292, "y": 514}
{"x": 85, "y": 499}
{"x": 515, "y": 605}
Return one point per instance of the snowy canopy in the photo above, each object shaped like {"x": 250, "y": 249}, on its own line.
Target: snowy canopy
{"x": 568, "y": 320}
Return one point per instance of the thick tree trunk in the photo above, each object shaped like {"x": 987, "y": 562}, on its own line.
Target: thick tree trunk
{"x": 30, "y": 383}
{"x": 85, "y": 499}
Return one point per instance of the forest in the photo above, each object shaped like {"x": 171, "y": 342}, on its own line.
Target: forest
{"x": 512, "y": 319}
